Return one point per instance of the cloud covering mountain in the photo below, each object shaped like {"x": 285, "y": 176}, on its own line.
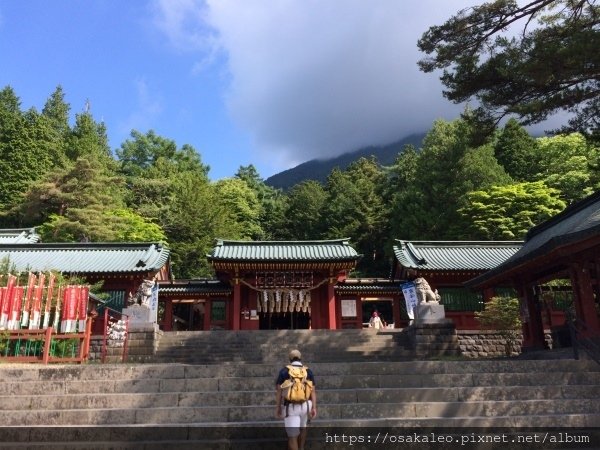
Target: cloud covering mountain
{"x": 312, "y": 79}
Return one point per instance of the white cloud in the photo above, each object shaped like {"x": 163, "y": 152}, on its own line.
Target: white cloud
{"x": 148, "y": 109}
{"x": 183, "y": 22}
{"x": 313, "y": 78}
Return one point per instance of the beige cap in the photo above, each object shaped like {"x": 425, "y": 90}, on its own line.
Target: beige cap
{"x": 295, "y": 354}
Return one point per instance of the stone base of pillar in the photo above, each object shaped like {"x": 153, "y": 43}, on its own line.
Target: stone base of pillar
{"x": 431, "y": 313}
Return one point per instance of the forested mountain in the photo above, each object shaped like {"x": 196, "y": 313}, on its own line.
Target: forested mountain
{"x": 319, "y": 169}
{"x": 66, "y": 181}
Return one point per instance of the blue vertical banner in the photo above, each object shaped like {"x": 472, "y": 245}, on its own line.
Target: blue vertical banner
{"x": 154, "y": 303}
{"x": 410, "y": 297}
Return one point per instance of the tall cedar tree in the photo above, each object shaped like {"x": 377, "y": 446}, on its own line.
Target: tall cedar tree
{"x": 271, "y": 200}
{"x": 448, "y": 167}
{"x": 355, "y": 209}
{"x": 517, "y": 152}
{"x": 29, "y": 148}
{"x": 304, "y": 211}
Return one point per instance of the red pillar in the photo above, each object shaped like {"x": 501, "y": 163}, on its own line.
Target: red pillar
{"x": 331, "y": 310}
{"x": 533, "y": 329}
{"x": 583, "y": 292}
{"x": 236, "y": 308}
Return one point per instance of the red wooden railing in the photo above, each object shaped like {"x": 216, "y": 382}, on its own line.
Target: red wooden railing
{"x": 43, "y": 346}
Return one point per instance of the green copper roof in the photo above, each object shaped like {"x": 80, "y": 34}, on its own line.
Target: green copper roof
{"x": 194, "y": 287}
{"x": 334, "y": 250}
{"x": 18, "y": 236}
{"x": 454, "y": 255}
{"x": 87, "y": 257}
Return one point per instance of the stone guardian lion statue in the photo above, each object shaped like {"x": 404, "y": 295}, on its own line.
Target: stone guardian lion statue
{"x": 424, "y": 292}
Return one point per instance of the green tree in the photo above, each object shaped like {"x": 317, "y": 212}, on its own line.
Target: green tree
{"x": 84, "y": 201}
{"x": 271, "y": 203}
{"x": 135, "y": 228}
{"x": 355, "y": 209}
{"x": 151, "y": 164}
{"x": 56, "y": 110}
{"x": 143, "y": 151}
{"x": 517, "y": 152}
{"x": 564, "y": 165}
{"x": 303, "y": 215}
{"x": 74, "y": 203}
{"x": 89, "y": 138}
{"x": 503, "y": 314}
{"x": 402, "y": 197}
{"x": 447, "y": 169}
{"x": 29, "y": 148}
{"x": 541, "y": 70}
{"x": 195, "y": 218}
{"x": 509, "y": 211}
{"x": 241, "y": 206}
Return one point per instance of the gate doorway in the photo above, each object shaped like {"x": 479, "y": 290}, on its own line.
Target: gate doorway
{"x": 188, "y": 316}
{"x": 285, "y": 321}
{"x": 383, "y": 306}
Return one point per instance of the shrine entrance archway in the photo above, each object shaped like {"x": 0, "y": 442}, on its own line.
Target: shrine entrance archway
{"x": 285, "y": 321}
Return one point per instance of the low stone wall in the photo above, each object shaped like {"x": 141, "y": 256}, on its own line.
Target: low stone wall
{"x": 489, "y": 343}
{"x": 483, "y": 343}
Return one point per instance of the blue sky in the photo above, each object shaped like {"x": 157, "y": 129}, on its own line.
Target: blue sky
{"x": 273, "y": 83}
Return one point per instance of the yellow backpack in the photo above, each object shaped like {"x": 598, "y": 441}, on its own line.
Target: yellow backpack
{"x": 297, "y": 388}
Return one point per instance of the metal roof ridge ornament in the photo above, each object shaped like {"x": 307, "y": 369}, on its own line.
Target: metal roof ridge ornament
{"x": 414, "y": 253}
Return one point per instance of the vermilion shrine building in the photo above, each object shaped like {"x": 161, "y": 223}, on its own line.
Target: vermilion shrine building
{"x": 122, "y": 267}
{"x": 267, "y": 285}
{"x": 566, "y": 248}
{"x": 258, "y": 281}
{"x": 447, "y": 265}
{"x": 308, "y": 284}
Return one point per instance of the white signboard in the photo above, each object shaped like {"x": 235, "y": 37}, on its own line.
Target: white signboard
{"x": 154, "y": 303}
{"x": 348, "y": 308}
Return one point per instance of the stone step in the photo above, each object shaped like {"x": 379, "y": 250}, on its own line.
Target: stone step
{"x": 320, "y": 345}
{"x": 538, "y": 369}
{"x": 237, "y": 384}
{"x": 331, "y": 411}
{"x": 268, "y": 436}
{"x": 104, "y": 400}
{"x": 377, "y": 377}
{"x": 229, "y": 405}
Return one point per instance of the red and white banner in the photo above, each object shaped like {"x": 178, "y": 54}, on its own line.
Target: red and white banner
{"x": 3, "y": 316}
{"x": 27, "y": 301}
{"x": 16, "y": 297}
{"x": 57, "y": 308}
{"x": 48, "y": 304}
{"x": 84, "y": 295}
{"x": 36, "y": 305}
{"x": 5, "y": 311}
{"x": 68, "y": 322}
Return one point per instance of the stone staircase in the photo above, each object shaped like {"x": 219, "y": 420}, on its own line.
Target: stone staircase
{"x": 222, "y": 406}
{"x": 215, "y": 347}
